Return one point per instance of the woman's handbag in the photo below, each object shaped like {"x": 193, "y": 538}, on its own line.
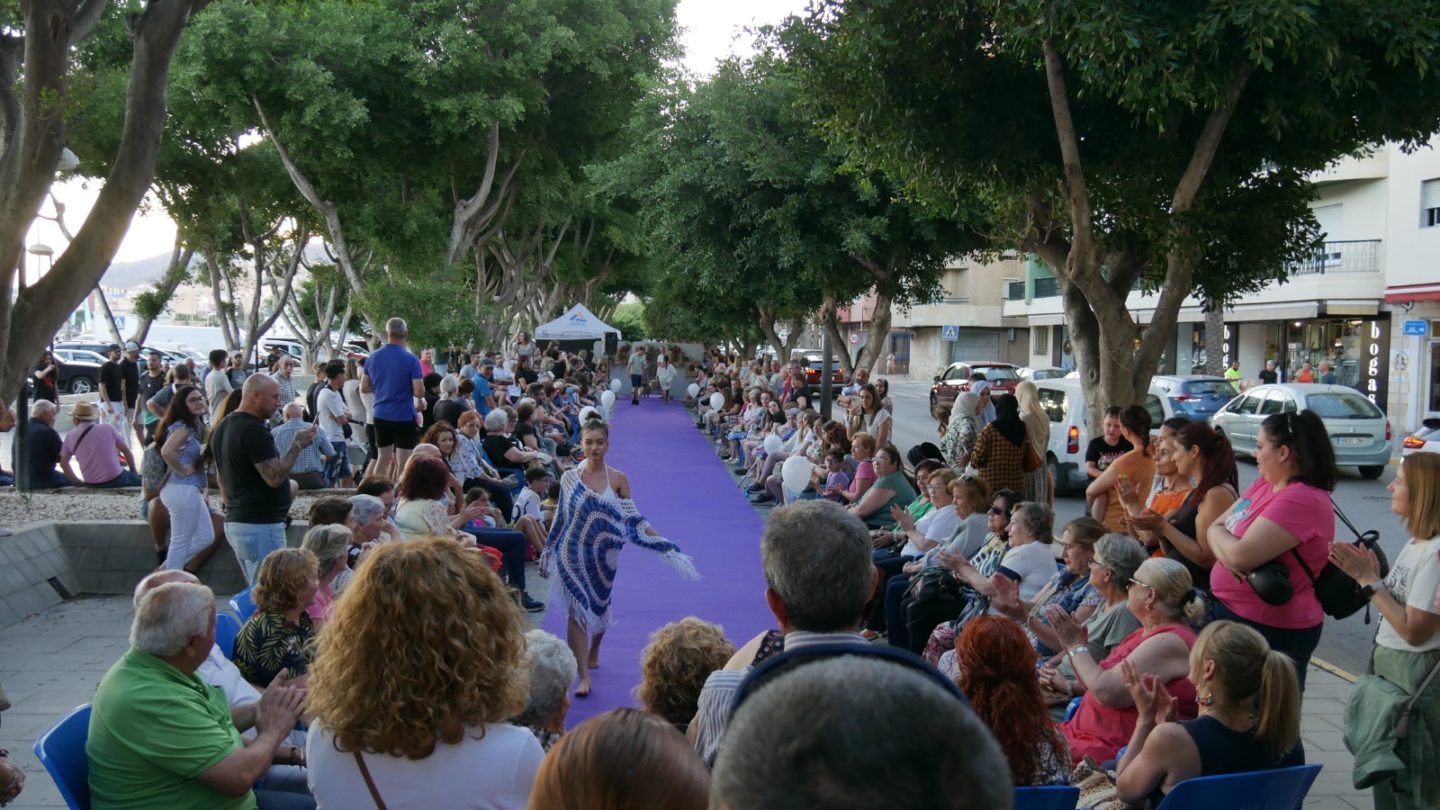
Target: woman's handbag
{"x": 934, "y": 583}
{"x": 1339, "y": 594}
{"x": 1033, "y": 461}
{"x": 1097, "y": 786}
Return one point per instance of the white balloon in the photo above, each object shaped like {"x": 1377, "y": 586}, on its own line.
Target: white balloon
{"x": 772, "y": 444}
{"x": 717, "y": 401}
{"x": 795, "y": 473}
{"x": 588, "y": 413}
{"x": 694, "y": 389}
{"x": 607, "y": 398}
{"x": 615, "y": 385}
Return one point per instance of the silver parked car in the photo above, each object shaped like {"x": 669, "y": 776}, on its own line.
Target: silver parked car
{"x": 1195, "y": 396}
{"x": 1358, "y": 429}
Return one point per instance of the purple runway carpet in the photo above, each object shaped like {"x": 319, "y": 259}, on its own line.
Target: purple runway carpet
{"x": 689, "y": 496}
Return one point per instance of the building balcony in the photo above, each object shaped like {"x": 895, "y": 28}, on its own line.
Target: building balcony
{"x": 1352, "y": 256}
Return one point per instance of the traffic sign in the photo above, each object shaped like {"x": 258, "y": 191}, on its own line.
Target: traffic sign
{"x": 950, "y": 333}
{"x": 1418, "y": 328}
{"x": 854, "y": 338}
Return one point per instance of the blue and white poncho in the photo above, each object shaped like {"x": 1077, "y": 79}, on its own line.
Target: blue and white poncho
{"x": 584, "y": 545}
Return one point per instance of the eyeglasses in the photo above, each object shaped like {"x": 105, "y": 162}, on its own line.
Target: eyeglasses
{"x": 997, "y": 510}
{"x": 1143, "y": 585}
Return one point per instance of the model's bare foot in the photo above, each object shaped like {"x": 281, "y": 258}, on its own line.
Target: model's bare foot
{"x": 594, "y": 661}
{"x": 583, "y": 690}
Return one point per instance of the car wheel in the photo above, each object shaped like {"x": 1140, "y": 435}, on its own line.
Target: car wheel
{"x": 932, "y": 407}
{"x": 1371, "y": 471}
{"x": 1061, "y": 488}
{"x": 82, "y": 385}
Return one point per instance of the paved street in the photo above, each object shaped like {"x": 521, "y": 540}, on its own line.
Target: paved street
{"x": 1344, "y": 644}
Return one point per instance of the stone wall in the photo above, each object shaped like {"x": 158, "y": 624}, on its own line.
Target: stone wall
{"x": 45, "y": 563}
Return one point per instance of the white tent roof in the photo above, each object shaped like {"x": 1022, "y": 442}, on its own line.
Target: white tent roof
{"x": 579, "y": 323}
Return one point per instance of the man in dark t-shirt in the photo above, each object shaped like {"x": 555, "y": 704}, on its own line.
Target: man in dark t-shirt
{"x": 1107, "y": 447}
{"x": 130, "y": 367}
{"x": 254, "y": 477}
{"x": 112, "y": 387}
{"x": 149, "y": 384}
{"x": 1269, "y": 376}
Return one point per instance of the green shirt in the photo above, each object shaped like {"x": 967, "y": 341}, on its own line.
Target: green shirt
{"x": 153, "y": 731}
{"x": 897, "y": 483}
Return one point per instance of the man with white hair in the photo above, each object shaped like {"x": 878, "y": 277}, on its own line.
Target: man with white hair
{"x": 309, "y": 468}
{"x": 42, "y": 448}
{"x": 810, "y": 738}
{"x": 283, "y": 374}
{"x": 394, "y": 376}
{"x": 551, "y": 667}
{"x": 161, "y": 737}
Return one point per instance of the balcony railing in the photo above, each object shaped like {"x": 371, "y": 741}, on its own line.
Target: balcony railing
{"x": 954, "y": 299}
{"x": 1355, "y": 256}
{"x": 1014, "y": 290}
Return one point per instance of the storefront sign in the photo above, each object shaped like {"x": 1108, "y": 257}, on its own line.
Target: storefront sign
{"x": 1417, "y": 328}
{"x": 1375, "y": 365}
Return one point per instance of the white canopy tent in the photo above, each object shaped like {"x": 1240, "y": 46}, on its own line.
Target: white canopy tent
{"x": 578, "y": 323}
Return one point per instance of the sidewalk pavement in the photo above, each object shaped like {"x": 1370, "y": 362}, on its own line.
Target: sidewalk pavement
{"x": 51, "y": 663}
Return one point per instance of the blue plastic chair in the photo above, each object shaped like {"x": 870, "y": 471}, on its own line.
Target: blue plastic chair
{"x": 227, "y": 627}
{"x": 1073, "y": 706}
{"x": 62, "y": 751}
{"x": 243, "y": 605}
{"x": 1279, "y": 789}
{"x": 1049, "y": 797}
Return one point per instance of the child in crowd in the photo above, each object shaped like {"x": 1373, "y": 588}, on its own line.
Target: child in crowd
{"x": 530, "y": 517}
{"x": 487, "y": 519}
{"x": 836, "y": 479}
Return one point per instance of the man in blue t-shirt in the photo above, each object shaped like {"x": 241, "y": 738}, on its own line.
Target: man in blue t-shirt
{"x": 393, "y": 375}
{"x": 484, "y": 392}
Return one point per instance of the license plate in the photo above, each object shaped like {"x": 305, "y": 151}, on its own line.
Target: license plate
{"x": 1352, "y": 440}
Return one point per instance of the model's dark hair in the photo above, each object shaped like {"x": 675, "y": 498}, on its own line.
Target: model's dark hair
{"x": 1219, "y": 459}
{"x": 1137, "y": 420}
{"x": 1305, "y": 434}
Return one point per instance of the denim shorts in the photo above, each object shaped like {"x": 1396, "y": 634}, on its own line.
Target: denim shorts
{"x": 253, "y": 542}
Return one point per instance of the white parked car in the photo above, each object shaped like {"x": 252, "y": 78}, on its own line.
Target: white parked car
{"x": 1358, "y": 429}
{"x": 1424, "y": 440}
{"x": 1065, "y": 404}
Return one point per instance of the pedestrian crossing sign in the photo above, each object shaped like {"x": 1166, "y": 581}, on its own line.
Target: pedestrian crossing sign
{"x": 950, "y": 333}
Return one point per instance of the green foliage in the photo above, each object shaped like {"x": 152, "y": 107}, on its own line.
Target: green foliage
{"x": 430, "y": 299}
{"x": 631, "y": 320}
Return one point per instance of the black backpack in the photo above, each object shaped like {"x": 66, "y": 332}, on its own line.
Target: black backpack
{"x": 1340, "y": 595}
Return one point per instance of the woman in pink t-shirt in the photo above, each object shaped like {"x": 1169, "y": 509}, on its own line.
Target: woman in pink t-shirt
{"x": 1285, "y": 516}
{"x": 331, "y": 545}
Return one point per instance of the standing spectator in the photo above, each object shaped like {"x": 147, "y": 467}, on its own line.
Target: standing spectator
{"x": 1038, "y": 484}
{"x": 1232, "y": 374}
{"x": 159, "y": 402}
{"x": 1110, "y": 445}
{"x": 160, "y": 737}
{"x": 1327, "y": 373}
{"x": 42, "y": 448}
{"x": 982, "y": 386}
{"x": 524, "y": 348}
{"x": 484, "y": 380}
{"x": 130, "y": 367}
{"x": 47, "y": 377}
{"x": 1269, "y": 376}
{"x": 237, "y": 373}
{"x": 309, "y": 469}
{"x": 355, "y": 401}
{"x": 217, "y": 382}
{"x": 1002, "y": 449}
{"x": 112, "y": 387}
{"x": 1306, "y": 374}
{"x": 312, "y": 394}
{"x": 98, "y": 447}
{"x": 1285, "y": 517}
{"x": 180, "y": 436}
{"x": 427, "y": 361}
{"x": 333, "y": 417}
{"x": 283, "y": 369}
{"x": 1136, "y": 468}
{"x": 150, "y": 384}
{"x": 393, "y": 374}
{"x": 254, "y": 477}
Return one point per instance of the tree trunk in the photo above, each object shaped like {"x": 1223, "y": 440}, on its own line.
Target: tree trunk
{"x": 1215, "y": 359}
{"x": 27, "y": 168}
{"x": 109, "y": 316}
{"x": 831, "y": 322}
{"x": 873, "y": 352}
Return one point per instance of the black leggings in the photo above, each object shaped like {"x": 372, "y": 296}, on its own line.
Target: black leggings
{"x": 1299, "y": 643}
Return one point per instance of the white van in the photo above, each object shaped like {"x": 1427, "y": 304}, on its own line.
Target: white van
{"x": 1065, "y": 404}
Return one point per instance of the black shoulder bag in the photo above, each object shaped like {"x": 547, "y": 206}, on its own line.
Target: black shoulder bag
{"x": 1340, "y": 596}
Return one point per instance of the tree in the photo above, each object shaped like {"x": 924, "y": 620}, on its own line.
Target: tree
{"x": 41, "y": 38}
{"x": 1159, "y": 144}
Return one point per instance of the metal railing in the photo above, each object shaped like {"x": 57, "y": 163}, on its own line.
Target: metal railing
{"x": 954, "y": 299}
{"x": 1352, "y": 256}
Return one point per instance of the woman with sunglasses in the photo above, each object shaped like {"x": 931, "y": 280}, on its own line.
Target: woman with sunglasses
{"x": 1161, "y": 597}
{"x": 1285, "y": 517}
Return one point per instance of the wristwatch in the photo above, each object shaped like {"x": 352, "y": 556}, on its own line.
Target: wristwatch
{"x": 1369, "y": 591}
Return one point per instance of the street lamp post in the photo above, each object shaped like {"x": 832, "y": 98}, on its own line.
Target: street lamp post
{"x": 22, "y": 400}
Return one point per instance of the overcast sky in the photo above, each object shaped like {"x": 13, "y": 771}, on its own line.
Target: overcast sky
{"x": 711, "y": 30}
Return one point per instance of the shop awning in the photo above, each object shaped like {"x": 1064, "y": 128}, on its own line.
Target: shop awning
{"x": 1347, "y": 307}
{"x": 1410, "y": 293}
{"x": 1289, "y": 311}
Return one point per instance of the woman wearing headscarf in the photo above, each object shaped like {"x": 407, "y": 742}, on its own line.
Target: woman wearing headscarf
{"x": 1038, "y": 485}
{"x": 1001, "y": 448}
{"x": 959, "y": 440}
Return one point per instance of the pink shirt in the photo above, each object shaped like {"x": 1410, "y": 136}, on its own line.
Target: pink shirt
{"x": 98, "y": 454}
{"x": 864, "y": 471}
{"x": 1303, "y": 511}
{"x": 320, "y": 608}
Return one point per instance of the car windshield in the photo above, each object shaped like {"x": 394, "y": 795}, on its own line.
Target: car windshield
{"x": 998, "y": 373}
{"x": 1342, "y": 406}
{"x": 1200, "y": 388}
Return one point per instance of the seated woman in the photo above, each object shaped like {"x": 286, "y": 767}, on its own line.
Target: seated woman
{"x": 462, "y": 455}
{"x": 1200, "y": 454}
{"x": 415, "y": 676}
{"x": 862, "y": 450}
{"x": 1168, "y": 491}
{"x": 1069, "y": 588}
{"x": 997, "y": 674}
{"x": 1162, "y": 599}
{"x": 1116, "y": 558}
{"x": 1025, "y": 558}
{"x": 278, "y": 635}
{"x": 1249, "y": 717}
{"x": 1135, "y": 466}
{"x": 908, "y": 533}
{"x": 892, "y": 488}
{"x": 675, "y": 664}
{"x": 806, "y": 442}
{"x": 874, "y": 418}
{"x": 595, "y": 767}
{"x": 551, "y": 667}
{"x": 501, "y": 445}
{"x": 331, "y": 545}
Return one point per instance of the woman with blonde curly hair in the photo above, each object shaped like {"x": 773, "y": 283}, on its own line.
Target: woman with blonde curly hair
{"x": 280, "y": 634}
{"x": 414, "y": 678}
{"x": 675, "y": 664}
{"x": 619, "y": 760}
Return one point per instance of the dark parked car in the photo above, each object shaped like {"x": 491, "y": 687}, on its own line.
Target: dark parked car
{"x": 79, "y": 371}
{"x": 1195, "y": 396}
{"x": 1003, "y": 377}
{"x": 813, "y": 363}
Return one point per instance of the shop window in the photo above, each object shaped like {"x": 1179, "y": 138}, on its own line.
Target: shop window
{"x": 1430, "y": 203}
{"x": 1039, "y": 340}
{"x": 1055, "y": 403}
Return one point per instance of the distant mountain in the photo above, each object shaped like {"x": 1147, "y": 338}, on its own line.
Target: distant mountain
{"x": 126, "y": 275}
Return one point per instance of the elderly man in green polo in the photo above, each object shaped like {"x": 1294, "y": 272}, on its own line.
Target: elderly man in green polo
{"x": 162, "y": 738}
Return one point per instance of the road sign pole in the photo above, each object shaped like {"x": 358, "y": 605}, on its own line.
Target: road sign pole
{"x": 825, "y": 372}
